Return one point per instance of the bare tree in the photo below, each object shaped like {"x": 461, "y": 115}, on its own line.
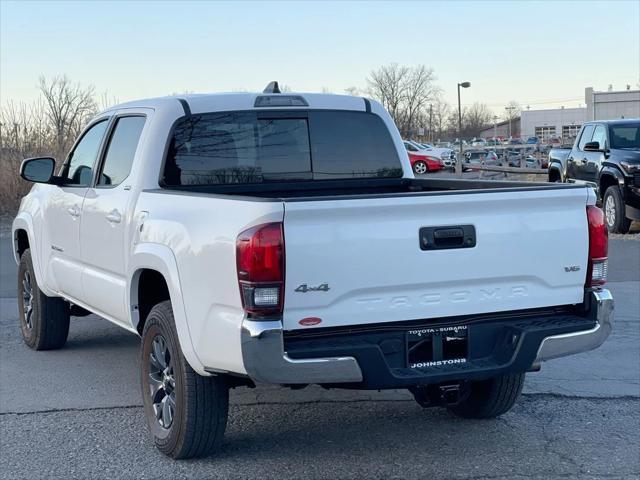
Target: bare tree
{"x": 106, "y": 100}
{"x": 440, "y": 117}
{"x": 512, "y": 110}
{"x": 68, "y": 108}
{"x": 474, "y": 119}
{"x": 387, "y": 84}
{"x": 405, "y": 92}
{"x": 355, "y": 91}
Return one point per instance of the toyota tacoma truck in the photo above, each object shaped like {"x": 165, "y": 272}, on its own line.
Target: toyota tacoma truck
{"x": 605, "y": 156}
{"x": 282, "y": 238}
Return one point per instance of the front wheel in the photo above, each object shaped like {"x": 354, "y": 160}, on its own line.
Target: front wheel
{"x": 490, "y": 398}
{"x": 420, "y": 168}
{"x": 186, "y": 413}
{"x": 614, "y": 214}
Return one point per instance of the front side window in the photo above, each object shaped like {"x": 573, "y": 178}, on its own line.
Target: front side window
{"x": 600, "y": 136}
{"x": 78, "y": 170}
{"x": 258, "y": 147}
{"x": 121, "y": 150}
{"x": 585, "y": 138}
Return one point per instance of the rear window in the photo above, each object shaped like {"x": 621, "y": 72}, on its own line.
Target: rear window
{"x": 625, "y": 136}
{"x": 257, "y": 147}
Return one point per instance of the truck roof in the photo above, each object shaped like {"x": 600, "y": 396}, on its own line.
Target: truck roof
{"x": 213, "y": 102}
{"x": 617, "y": 121}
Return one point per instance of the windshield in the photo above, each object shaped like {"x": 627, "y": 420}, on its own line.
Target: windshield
{"x": 275, "y": 146}
{"x": 625, "y": 135}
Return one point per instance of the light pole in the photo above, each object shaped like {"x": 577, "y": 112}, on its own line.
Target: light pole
{"x": 495, "y": 127}
{"x": 509, "y": 109}
{"x": 459, "y": 162}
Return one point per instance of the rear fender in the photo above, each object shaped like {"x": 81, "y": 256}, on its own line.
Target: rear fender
{"x": 160, "y": 258}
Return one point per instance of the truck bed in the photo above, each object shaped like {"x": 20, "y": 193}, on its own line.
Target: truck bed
{"x": 366, "y": 188}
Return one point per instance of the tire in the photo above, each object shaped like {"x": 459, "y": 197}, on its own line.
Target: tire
{"x": 44, "y": 321}
{"x": 613, "y": 206}
{"x": 199, "y": 404}
{"x": 490, "y": 398}
{"x": 420, "y": 168}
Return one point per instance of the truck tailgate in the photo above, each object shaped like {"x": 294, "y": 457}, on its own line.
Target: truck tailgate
{"x": 359, "y": 260}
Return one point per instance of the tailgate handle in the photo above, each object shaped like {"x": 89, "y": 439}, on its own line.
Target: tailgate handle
{"x": 440, "y": 238}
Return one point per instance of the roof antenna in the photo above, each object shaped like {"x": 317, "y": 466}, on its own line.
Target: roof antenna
{"x": 272, "y": 88}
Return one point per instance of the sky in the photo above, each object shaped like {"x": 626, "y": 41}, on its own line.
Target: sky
{"x": 542, "y": 54}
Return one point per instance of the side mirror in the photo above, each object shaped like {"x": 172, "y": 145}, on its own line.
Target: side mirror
{"x": 38, "y": 170}
{"x": 592, "y": 147}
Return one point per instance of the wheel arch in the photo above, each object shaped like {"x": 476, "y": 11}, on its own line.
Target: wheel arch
{"x": 23, "y": 237}
{"x": 609, "y": 176}
{"x": 150, "y": 264}
{"x": 555, "y": 171}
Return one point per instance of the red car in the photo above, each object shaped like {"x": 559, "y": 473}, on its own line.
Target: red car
{"x": 421, "y": 162}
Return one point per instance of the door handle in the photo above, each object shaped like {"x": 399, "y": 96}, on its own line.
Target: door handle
{"x": 114, "y": 216}
{"x": 74, "y": 211}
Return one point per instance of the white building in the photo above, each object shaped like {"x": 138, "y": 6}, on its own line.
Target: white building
{"x": 565, "y": 123}
{"x": 553, "y": 123}
{"x": 610, "y": 105}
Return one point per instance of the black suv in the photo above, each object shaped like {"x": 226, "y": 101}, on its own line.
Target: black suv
{"x": 606, "y": 154}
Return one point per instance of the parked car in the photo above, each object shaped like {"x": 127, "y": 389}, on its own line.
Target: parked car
{"x": 479, "y": 142}
{"x": 421, "y": 161}
{"x": 513, "y": 157}
{"x": 202, "y": 224}
{"x": 473, "y": 158}
{"x": 515, "y": 141}
{"x": 532, "y": 141}
{"x": 493, "y": 142}
{"x": 445, "y": 154}
{"x": 491, "y": 158}
{"x": 532, "y": 162}
{"x": 606, "y": 156}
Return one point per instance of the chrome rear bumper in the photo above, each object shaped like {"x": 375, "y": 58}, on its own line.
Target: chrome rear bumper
{"x": 266, "y": 360}
{"x": 570, "y": 343}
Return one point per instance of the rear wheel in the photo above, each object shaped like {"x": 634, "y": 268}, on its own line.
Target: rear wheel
{"x": 419, "y": 168}
{"x": 186, "y": 413}
{"x": 44, "y": 321}
{"x": 490, "y": 398}
{"x": 614, "y": 214}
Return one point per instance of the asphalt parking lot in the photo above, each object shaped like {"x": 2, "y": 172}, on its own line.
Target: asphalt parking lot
{"x": 75, "y": 413}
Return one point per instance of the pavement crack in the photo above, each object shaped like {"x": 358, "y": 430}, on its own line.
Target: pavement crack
{"x": 258, "y": 403}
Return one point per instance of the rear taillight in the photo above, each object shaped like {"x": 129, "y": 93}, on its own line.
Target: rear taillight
{"x": 598, "y": 246}
{"x": 260, "y": 264}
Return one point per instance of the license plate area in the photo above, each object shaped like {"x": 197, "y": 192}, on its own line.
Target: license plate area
{"x": 437, "y": 346}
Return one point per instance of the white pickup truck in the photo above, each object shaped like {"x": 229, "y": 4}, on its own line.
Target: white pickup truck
{"x": 282, "y": 238}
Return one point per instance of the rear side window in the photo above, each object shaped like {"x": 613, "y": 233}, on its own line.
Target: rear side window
{"x": 586, "y": 136}
{"x": 351, "y": 144}
{"x": 258, "y": 147}
{"x": 121, "y": 150}
{"x": 625, "y": 135}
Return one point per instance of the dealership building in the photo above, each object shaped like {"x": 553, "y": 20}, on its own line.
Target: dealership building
{"x": 565, "y": 123}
